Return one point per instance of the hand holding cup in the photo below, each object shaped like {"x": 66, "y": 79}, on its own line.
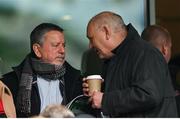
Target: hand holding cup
{"x": 92, "y": 83}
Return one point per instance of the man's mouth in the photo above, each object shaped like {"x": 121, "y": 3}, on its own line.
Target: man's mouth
{"x": 60, "y": 58}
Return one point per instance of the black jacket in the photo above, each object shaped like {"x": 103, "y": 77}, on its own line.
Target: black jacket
{"x": 73, "y": 87}
{"x": 137, "y": 81}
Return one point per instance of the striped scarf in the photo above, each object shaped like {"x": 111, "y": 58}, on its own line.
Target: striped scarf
{"x": 31, "y": 68}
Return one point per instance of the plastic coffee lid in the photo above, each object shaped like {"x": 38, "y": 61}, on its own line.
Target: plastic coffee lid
{"x": 94, "y": 77}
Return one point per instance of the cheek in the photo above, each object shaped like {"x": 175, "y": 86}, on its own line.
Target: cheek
{"x": 49, "y": 53}
{"x": 50, "y": 50}
{"x": 169, "y": 51}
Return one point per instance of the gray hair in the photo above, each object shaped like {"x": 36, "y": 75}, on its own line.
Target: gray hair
{"x": 56, "y": 111}
{"x": 39, "y": 31}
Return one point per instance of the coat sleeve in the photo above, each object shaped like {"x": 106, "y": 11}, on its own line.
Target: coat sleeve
{"x": 145, "y": 90}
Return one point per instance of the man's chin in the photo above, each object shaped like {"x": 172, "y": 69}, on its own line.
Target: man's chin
{"x": 101, "y": 56}
{"x": 59, "y": 62}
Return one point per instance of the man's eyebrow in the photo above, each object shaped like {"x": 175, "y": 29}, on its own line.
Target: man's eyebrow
{"x": 58, "y": 43}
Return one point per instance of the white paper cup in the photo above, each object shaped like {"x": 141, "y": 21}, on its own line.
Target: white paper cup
{"x": 94, "y": 82}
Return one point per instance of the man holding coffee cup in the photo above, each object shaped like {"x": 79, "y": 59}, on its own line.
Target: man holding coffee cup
{"x": 94, "y": 83}
{"x": 137, "y": 80}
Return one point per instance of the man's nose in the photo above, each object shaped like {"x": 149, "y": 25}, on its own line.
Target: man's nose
{"x": 61, "y": 49}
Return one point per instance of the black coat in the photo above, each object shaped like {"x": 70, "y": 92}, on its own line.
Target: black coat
{"x": 137, "y": 81}
{"x": 73, "y": 87}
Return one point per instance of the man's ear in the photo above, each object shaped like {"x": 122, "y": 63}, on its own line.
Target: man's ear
{"x": 36, "y": 49}
{"x": 107, "y": 32}
{"x": 164, "y": 50}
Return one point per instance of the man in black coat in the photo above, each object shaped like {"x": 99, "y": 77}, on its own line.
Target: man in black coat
{"x": 160, "y": 38}
{"x": 136, "y": 76}
{"x": 44, "y": 77}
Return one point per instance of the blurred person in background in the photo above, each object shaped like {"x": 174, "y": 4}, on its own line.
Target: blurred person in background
{"x": 160, "y": 38}
{"x": 7, "y": 108}
{"x": 135, "y": 74}
{"x": 43, "y": 77}
{"x": 56, "y": 111}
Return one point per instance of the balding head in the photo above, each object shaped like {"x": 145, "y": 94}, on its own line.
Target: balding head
{"x": 111, "y": 19}
{"x": 106, "y": 31}
{"x": 158, "y": 37}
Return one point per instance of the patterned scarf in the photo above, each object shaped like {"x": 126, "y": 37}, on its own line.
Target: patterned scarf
{"x": 33, "y": 67}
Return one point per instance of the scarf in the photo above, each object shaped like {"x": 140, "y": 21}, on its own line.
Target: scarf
{"x": 33, "y": 67}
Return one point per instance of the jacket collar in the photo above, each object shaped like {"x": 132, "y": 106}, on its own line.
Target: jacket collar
{"x": 130, "y": 36}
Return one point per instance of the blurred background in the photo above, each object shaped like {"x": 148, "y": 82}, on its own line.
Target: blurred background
{"x": 19, "y": 17}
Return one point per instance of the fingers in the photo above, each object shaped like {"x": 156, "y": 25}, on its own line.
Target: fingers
{"x": 96, "y": 99}
{"x": 85, "y": 87}
{"x": 91, "y": 99}
{"x": 86, "y": 91}
{"x": 84, "y": 79}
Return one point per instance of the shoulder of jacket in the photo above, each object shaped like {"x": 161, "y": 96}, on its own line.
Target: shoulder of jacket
{"x": 9, "y": 74}
{"x": 70, "y": 68}
{"x": 9, "y": 78}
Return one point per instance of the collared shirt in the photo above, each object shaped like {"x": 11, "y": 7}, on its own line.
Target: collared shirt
{"x": 49, "y": 92}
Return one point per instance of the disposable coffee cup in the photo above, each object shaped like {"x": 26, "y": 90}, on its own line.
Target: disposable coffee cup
{"x": 94, "y": 83}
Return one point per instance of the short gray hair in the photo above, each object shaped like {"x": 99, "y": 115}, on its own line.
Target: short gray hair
{"x": 56, "y": 111}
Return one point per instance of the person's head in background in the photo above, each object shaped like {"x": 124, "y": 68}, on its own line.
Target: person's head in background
{"x": 160, "y": 38}
{"x": 47, "y": 43}
{"x": 105, "y": 32}
{"x": 56, "y": 111}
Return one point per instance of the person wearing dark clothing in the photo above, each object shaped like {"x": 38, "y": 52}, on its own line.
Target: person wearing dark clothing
{"x": 44, "y": 77}
{"x": 174, "y": 68}
{"x": 137, "y": 80}
{"x": 160, "y": 38}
